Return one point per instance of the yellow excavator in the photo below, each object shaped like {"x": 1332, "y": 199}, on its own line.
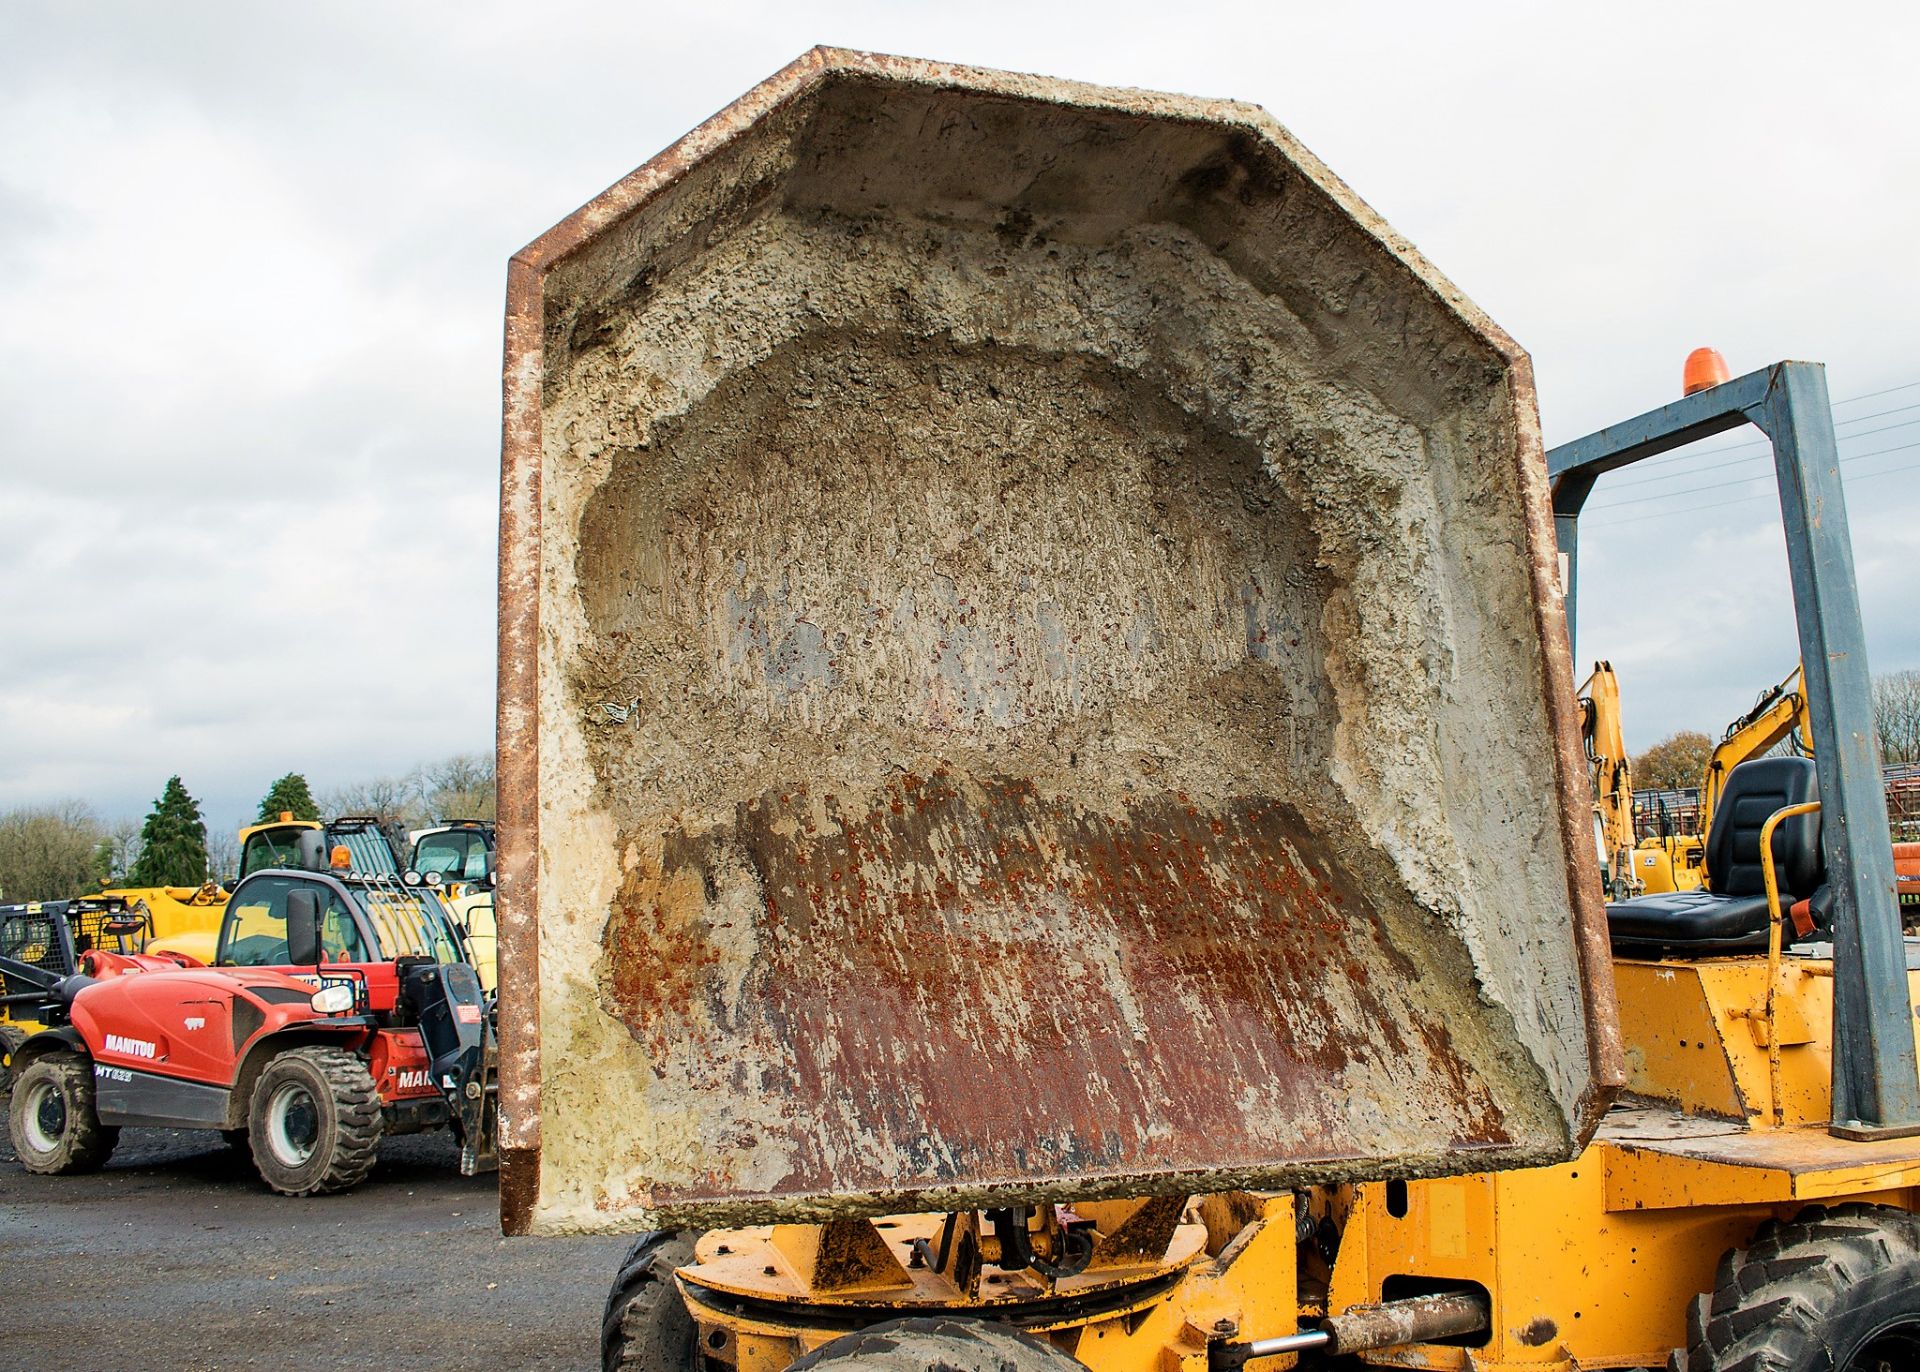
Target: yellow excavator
{"x": 1611, "y": 775}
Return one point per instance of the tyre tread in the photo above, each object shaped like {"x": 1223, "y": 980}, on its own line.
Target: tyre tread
{"x": 89, "y": 1142}
{"x": 11, "y": 1037}
{"x": 359, "y": 1121}
{"x": 1773, "y": 1301}
{"x": 942, "y": 1343}
{"x": 644, "y": 1321}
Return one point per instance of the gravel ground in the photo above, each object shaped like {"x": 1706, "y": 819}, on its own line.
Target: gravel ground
{"x": 177, "y": 1256}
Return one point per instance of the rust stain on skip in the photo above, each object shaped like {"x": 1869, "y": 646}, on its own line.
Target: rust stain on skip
{"x": 1077, "y": 597}
{"x": 988, "y": 981}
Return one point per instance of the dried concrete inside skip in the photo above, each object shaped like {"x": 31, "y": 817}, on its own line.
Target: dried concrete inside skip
{"x": 1031, "y": 667}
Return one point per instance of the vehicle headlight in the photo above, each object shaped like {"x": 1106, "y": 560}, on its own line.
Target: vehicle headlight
{"x": 333, "y": 1000}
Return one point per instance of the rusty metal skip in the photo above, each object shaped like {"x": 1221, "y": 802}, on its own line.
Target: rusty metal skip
{"x": 1035, "y": 718}
{"x": 1030, "y": 585}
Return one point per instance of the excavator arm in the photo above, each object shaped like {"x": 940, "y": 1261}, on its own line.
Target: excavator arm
{"x": 1607, "y": 765}
{"x": 1780, "y": 712}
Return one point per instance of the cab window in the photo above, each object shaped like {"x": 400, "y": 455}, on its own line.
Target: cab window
{"x": 254, "y": 933}
{"x": 412, "y": 923}
{"x": 459, "y": 855}
{"x": 340, "y": 939}
{"x": 278, "y": 847}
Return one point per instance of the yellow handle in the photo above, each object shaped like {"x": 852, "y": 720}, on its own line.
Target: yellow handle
{"x": 1766, "y": 865}
{"x": 1772, "y": 881}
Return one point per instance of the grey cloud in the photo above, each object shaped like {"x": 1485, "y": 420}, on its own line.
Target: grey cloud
{"x": 252, "y": 262}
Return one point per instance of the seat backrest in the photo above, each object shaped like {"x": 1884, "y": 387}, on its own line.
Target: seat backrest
{"x": 1754, "y": 790}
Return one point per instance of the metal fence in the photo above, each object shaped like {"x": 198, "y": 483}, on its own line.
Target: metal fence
{"x": 1676, "y": 810}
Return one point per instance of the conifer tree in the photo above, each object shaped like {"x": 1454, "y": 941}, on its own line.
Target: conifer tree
{"x": 289, "y": 794}
{"x": 173, "y": 841}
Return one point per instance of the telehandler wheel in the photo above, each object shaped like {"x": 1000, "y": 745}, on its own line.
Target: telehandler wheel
{"x": 1834, "y": 1291}
{"x": 11, "y": 1037}
{"x": 942, "y": 1342}
{"x": 646, "y": 1327}
{"x": 314, "y": 1122}
{"x": 54, "y": 1125}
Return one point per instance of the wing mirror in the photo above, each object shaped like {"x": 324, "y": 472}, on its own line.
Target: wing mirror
{"x": 311, "y": 846}
{"x": 303, "y": 928}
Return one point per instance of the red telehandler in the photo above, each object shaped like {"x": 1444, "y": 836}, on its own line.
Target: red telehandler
{"x": 340, "y": 1007}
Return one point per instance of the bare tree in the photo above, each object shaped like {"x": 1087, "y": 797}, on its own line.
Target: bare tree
{"x": 49, "y": 852}
{"x": 1896, "y": 715}
{"x": 120, "y": 848}
{"x": 459, "y": 787}
{"x": 223, "y": 852}
{"x": 394, "y": 798}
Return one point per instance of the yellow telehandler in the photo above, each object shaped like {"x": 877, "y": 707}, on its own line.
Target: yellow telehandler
{"x": 186, "y": 919}
{"x": 1043, "y": 816}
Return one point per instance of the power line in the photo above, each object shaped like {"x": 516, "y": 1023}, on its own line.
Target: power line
{"x": 1764, "y": 445}
{"x": 1856, "y": 399}
{"x": 1740, "y": 481}
{"x": 1668, "y": 514}
{"x": 1749, "y": 499}
{"x": 1890, "y": 471}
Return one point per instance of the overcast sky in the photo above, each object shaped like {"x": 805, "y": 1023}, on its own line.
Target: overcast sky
{"x": 252, "y": 260}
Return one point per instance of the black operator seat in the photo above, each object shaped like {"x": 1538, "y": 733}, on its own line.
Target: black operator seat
{"x": 1730, "y": 915}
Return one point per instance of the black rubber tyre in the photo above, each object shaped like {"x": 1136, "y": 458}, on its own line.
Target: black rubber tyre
{"x": 11, "y": 1037}
{"x": 646, "y": 1327}
{"x": 314, "y": 1122}
{"x": 940, "y": 1342}
{"x": 51, "y": 1117}
{"x": 1834, "y": 1291}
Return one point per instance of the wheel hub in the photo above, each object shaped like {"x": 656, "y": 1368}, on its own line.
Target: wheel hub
{"x": 293, "y": 1124}
{"x": 46, "y": 1118}
{"x": 1895, "y": 1350}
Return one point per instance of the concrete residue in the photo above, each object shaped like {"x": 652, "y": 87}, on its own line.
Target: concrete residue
{"x": 1039, "y": 686}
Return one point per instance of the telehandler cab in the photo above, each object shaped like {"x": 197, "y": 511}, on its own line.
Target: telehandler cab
{"x": 340, "y": 1007}
{"x": 373, "y": 843}
{"x": 187, "y": 919}
{"x": 456, "y": 858}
